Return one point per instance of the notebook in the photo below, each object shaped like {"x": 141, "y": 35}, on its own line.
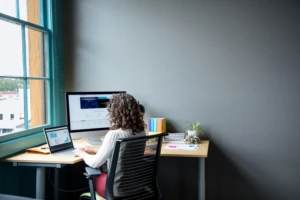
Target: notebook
{"x": 182, "y": 146}
{"x": 59, "y": 141}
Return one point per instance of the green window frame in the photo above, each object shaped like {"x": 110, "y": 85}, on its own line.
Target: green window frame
{"x": 19, "y": 141}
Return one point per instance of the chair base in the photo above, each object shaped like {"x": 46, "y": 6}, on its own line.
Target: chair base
{"x": 87, "y": 196}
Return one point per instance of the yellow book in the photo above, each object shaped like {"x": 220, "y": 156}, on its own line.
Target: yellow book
{"x": 153, "y": 133}
{"x": 164, "y": 128}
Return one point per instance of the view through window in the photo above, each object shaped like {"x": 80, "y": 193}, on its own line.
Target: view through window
{"x": 24, "y": 80}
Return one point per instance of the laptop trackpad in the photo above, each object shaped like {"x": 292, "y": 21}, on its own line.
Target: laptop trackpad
{"x": 68, "y": 152}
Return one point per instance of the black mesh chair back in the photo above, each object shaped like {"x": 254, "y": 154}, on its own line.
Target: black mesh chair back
{"x": 133, "y": 169}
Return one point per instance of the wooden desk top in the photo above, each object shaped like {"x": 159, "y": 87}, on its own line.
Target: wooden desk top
{"x": 201, "y": 152}
{"x": 29, "y": 157}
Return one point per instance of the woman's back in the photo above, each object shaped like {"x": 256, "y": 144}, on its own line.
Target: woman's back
{"x": 119, "y": 134}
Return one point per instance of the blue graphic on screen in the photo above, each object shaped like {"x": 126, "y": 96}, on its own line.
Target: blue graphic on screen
{"x": 93, "y": 102}
{"x": 58, "y": 137}
{"x": 53, "y": 135}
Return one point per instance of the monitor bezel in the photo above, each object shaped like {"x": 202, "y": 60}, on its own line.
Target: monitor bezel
{"x": 85, "y": 93}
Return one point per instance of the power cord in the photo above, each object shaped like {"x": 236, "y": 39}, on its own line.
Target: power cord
{"x": 62, "y": 189}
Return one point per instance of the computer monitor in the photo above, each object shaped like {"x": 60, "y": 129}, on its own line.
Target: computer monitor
{"x": 87, "y": 114}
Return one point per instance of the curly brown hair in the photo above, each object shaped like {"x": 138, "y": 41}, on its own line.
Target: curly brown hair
{"x": 123, "y": 110}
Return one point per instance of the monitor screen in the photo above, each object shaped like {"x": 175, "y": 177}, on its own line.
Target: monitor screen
{"x": 86, "y": 111}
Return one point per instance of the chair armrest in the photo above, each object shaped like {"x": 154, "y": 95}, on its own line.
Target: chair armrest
{"x": 91, "y": 172}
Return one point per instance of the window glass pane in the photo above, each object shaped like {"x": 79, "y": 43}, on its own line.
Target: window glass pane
{"x": 11, "y": 58}
{"x": 37, "y": 103}
{"x": 8, "y": 7}
{"x": 11, "y": 105}
{"x": 30, "y": 10}
{"x": 35, "y": 53}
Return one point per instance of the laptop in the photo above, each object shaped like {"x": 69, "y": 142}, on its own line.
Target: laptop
{"x": 59, "y": 141}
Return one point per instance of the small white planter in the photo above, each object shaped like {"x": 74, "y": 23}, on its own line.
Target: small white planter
{"x": 193, "y": 136}
{"x": 192, "y": 132}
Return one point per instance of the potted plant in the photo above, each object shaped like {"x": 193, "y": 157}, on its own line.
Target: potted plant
{"x": 194, "y": 132}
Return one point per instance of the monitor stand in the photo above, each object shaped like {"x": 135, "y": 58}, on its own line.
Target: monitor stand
{"x": 94, "y": 141}
{"x": 93, "y": 137}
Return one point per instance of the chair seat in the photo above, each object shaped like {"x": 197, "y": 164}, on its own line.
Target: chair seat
{"x": 87, "y": 196}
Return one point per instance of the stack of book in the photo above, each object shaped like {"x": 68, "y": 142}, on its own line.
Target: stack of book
{"x": 157, "y": 125}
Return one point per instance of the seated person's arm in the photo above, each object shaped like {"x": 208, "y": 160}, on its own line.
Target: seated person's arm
{"x": 102, "y": 154}
{"x": 91, "y": 150}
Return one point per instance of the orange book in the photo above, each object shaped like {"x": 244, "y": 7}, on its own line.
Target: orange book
{"x": 159, "y": 124}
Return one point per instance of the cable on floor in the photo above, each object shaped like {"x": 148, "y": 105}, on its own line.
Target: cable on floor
{"x": 77, "y": 190}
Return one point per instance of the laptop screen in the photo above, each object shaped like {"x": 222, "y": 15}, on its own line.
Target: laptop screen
{"x": 58, "y": 138}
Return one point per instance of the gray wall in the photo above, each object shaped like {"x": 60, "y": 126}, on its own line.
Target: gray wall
{"x": 232, "y": 65}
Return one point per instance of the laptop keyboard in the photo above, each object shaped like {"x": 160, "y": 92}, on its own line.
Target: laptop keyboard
{"x": 68, "y": 152}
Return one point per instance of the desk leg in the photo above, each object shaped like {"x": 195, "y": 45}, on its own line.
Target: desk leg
{"x": 201, "y": 179}
{"x": 40, "y": 183}
{"x": 57, "y": 181}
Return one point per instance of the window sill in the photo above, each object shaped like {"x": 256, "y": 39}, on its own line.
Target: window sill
{"x": 22, "y": 134}
{"x": 17, "y": 145}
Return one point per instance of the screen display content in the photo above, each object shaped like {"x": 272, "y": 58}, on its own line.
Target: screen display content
{"x": 58, "y": 137}
{"x": 88, "y": 110}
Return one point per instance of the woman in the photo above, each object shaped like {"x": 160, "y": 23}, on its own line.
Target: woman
{"x": 126, "y": 121}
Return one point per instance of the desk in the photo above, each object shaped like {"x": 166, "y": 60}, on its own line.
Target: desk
{"x": 200, "y": 153}
{"x": 40, "y": 161}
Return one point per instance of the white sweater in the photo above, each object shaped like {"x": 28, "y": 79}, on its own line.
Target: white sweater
{"x": 107, "y": 147}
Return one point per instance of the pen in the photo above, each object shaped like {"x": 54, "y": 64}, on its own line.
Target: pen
{"x": 43, "y": 148}
{"x": 172, "y": 146}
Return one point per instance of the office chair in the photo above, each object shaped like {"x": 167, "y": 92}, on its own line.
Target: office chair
{"x": 135, "y": 164}
{"x": 13, "y": 197}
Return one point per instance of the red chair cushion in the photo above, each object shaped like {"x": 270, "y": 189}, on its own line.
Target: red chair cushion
{"x": 100, "y": 183}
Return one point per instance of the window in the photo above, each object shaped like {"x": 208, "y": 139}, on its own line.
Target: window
{"x": 1, "y": 116}
{"x": 22, "y": 9}
{"x": 24, "y": 66}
